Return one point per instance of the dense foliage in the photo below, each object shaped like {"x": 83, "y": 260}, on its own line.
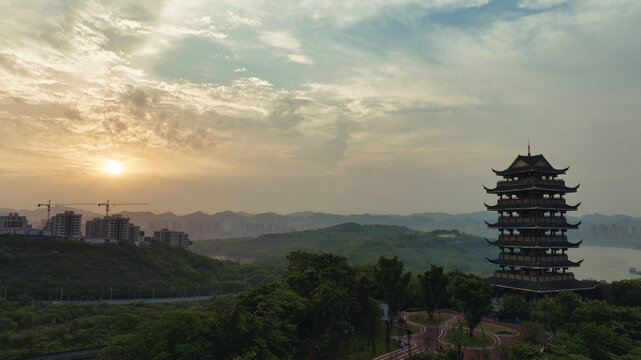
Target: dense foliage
{"x": 38, "y": 328}
{"x": 321, "y": 307}
{"x": 363, "y": 244}
{"x": 46, "y": 268}
{"x": 320, "y": 310}
{"x": 591, "y": 329}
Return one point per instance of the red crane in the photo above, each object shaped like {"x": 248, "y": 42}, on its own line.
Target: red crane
{"x": 108, "y": 203}
{"x": 48, "y": 204}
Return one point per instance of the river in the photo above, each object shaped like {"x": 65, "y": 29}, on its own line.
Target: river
{"x": 605, "y": 263}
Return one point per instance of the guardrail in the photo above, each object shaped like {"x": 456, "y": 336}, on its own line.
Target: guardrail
{"x": 91, "y": 353}
{"x": 129, "y": 301}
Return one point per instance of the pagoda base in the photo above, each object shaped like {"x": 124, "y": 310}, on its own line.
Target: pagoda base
{"x": 539, "y": 286}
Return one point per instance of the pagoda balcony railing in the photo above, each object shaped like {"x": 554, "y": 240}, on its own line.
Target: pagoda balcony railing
{"x": 539, "y": 201}
{"x": 525, "y": 238}
{"x": 527, "y": 258}
{"x": 530, "y": 181}
{"x": 548, "y": 276}
{"x": 532, "y": 220}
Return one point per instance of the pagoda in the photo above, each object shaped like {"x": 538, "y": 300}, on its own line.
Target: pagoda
{"x": 532, "y": 229}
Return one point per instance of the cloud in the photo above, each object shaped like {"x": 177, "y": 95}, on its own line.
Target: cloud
{"x": 286, "y": 41}
{"x": 280, "y": 39}
{"x": 301, "y": 59}
{"x": 540, "y": 4}
{"x": 432, "y": 87}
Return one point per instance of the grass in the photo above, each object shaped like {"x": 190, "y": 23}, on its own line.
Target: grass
{"x": 478, "y": 341}
{"x": 498, "y": 329}
{"x": 394, "y": 331}
{"x": 359, "y": 348}
{"x": 437, "y": 319}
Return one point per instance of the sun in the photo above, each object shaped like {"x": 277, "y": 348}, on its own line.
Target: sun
{"x": 113, "y": 167}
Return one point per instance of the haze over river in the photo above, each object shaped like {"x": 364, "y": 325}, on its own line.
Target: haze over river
{"x": 605, "y": 263}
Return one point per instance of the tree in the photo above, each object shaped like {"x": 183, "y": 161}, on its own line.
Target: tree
{"x": 277, "y": 313}
{"x": 512, "y": 306}
{"x": 392, "y": 284}
{"x": 174, "y": 335}
{"x": 551, "y": 313}
{"x": 329, "y": 283}
{"x": 520, "y": 351}
{"x": 373, "y": 322}
{"x": 433, "y": 289}
{"x": 472, "y": 296}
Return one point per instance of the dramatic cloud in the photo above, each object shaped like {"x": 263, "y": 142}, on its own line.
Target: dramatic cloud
{"x": 347, "y": 106}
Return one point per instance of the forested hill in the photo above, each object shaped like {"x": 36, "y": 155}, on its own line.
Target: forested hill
{"x": 363, "y": 244}
{"x": 45, "y": 268}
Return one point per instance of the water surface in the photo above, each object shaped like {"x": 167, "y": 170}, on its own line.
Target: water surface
{"x": 605, "y": 263}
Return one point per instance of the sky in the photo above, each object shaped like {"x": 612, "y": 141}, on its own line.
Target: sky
{"x": 343, "y": 106}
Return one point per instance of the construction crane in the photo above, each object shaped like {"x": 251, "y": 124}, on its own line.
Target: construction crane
{"x": 108, "y": 203}
{"x": 48, "y": 204}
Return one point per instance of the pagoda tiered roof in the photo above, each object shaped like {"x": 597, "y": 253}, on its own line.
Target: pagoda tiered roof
{"x": 528, "y": 164}
{"x": 533, "y": 226}
{"x": 540, "y": 286}
{"x": 532, "y": 204}
{"x": 547, "y": 186}
{"x": 532, "y": 223}
{"x": 534, "y": 244}
{"x": 565, "y": 263}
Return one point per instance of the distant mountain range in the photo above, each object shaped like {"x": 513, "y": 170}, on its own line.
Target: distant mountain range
{"x": 617, "y": 230}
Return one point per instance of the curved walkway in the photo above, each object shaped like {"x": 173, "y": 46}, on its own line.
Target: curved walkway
{"x": 429, "y": 338}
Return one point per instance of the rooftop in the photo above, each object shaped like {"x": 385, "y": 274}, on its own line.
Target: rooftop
{"x": 530, "y": 163}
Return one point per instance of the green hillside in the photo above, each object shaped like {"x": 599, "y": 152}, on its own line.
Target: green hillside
{"x": 363, "y": 244}
{"x": 43, "y": 268}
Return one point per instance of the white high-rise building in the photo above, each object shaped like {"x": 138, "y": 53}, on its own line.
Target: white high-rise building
{"x": 66, "y": 225}
{"x": 114, "y": 227}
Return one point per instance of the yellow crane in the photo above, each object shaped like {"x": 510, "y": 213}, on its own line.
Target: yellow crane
{"x": 108, "y": 204}
{"x": 48, "y": 204}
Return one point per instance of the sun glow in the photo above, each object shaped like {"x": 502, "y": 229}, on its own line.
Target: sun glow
{"x": 113, "y": 167}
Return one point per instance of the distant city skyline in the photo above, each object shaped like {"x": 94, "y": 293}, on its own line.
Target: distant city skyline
{"x": 346, "y": 107}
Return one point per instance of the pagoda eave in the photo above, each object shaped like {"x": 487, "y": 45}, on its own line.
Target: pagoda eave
{"x": 530, "y": 169}
{"x": 532, "y": 207}
{"x": 534, "y": 245}
{"x": 536, "y": 265}
{"x": 520, "y": 188}
{"x": 540, "y": 286}
{"x": 532, "y": 226}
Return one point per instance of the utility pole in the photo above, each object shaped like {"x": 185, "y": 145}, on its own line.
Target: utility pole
{"x": 438, "y": 348}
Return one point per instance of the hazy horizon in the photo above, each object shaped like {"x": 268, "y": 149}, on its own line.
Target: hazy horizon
{"x": 343, "y": 107}
{"x": 117, "y": 210}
